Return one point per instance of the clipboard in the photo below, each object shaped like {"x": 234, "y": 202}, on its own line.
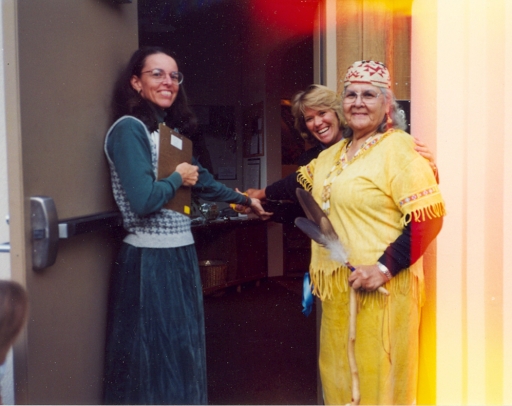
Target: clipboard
{"x": 174, "y": 149}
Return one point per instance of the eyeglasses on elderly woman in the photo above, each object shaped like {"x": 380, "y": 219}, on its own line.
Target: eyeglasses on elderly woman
{"x": 158, "y": 75}
{"x": 368, "y": 97}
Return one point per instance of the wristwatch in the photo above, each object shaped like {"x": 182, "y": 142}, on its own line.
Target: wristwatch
{"x": 383, "y": 268}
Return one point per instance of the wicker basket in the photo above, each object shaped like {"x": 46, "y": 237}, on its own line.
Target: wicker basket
{"x": 213, "y": 273}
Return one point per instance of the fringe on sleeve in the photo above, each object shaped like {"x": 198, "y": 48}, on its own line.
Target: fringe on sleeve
{"x": 426, "y": 204}
{"x": 305, "y": 177}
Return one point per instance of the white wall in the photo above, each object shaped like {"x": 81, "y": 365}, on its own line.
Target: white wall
{"x": 462, "y": 104}
{"x": 5, "y": 271}
{"x": 4, "y": 228}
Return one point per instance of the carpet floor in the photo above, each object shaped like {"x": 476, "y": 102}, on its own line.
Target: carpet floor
{"x": 260, "y": 348}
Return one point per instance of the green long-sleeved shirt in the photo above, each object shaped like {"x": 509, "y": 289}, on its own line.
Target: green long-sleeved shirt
{"x": 129, "y": 149}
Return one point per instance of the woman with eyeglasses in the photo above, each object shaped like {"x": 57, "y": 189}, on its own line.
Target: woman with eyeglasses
{"x": 155, "y": 348}
{"x": 317, "y": 113}
{"x": 384, "y": 203}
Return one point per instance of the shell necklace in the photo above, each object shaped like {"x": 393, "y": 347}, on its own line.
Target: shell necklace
{"x": 340, "y": 164}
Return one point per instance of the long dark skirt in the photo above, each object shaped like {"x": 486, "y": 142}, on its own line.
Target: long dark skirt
{"x": 155, "y": 349}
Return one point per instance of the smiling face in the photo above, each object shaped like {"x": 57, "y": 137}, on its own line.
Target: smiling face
{"x": 364, "y": 117}
{"x": 324, "y": 125}
{"x": 161, "y": 93}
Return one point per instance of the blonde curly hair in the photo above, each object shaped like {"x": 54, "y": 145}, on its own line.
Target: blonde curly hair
{"x": 317, "y": 97}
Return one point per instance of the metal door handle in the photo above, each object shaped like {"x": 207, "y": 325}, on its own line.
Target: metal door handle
{"x": 87, "y": 224}
{"x": 47, "y": 229}
{"x": 45, "y": 232}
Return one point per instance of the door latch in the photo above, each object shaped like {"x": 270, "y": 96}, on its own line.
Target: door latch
{"x": 45, "y": 231}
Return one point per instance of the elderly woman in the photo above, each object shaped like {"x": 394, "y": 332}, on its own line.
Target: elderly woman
{"x": 155, "y": 350}
{"x": 318, "y": 116}
{"x": 380, "y": 196}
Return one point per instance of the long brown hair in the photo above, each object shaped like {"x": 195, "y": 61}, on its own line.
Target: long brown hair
{"x": 126, "y": 101}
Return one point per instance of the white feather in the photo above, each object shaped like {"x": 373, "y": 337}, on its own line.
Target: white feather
{"x": 329, "y": 241}
{"x": 338, "y": 251}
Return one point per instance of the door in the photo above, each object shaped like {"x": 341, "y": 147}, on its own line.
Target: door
{"x": 61, "y": 59}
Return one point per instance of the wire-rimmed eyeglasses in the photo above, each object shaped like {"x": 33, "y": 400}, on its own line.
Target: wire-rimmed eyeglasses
{"x": 159, "y": 75}
{"x": 368, "y": 97}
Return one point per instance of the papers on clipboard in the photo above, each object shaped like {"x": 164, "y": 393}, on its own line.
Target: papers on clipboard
{"x": 174, "y": 149}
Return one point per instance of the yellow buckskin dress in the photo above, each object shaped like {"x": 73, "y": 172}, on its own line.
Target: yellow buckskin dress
{"x": 372, "y": 198}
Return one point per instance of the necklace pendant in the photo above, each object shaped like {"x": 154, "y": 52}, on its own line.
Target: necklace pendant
{"x": 326, "y": 193}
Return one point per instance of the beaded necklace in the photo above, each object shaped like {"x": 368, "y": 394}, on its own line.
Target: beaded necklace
{"x": 340, "y": 164}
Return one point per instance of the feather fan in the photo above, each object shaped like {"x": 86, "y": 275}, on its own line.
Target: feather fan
{"x": 319, "y": 228}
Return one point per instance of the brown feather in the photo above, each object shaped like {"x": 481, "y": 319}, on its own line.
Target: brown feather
{"x": 315, "y": 213}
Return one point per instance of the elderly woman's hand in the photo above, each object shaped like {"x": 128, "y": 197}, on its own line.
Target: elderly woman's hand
{"x": 367, "y": 278}
{"x": 189, "y": 173}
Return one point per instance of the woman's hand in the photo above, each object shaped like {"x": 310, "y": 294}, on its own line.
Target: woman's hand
{"x": 240, "y": 208}
{"x": 423, "y": 150}
{"x": 367, "y": 278}
{"x": 258, "y": 209}
{"x": 256, "y": 193}
{"x": 189, "y": 173}
{"x": 255, "y": 207}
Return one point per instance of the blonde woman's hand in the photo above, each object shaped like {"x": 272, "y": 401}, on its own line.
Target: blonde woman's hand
{"x": 255, "y": 207}
{"x": 240, "y": 208}
{"x": 256, "y": 193}
{"x": 258, "y": 209}
{"x": 423, "y": 150}
{"x": 189, "y": 173}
